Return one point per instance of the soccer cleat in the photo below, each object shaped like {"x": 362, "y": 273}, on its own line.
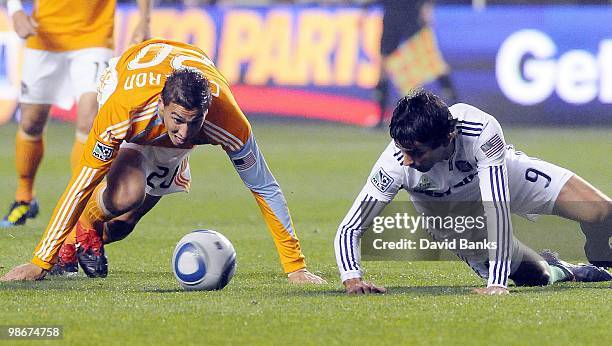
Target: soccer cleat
{"x": 579, "y": 272}
{"x": 90, "y": 252}
{"x": 67, "y": 264}
{"x": 552, "y": 258}
{"x": 19, "y": 212}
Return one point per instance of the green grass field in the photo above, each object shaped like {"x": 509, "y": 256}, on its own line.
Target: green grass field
{"x": 320, "y": 168}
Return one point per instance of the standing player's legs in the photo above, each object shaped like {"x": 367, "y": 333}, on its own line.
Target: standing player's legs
{"x": 43, "y": 74}
{"x": 581, "y": 202}
{"x": 87, "y": 108}
{"x": 86, "y": 68}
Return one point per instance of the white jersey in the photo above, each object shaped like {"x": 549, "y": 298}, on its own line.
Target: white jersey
{"x": 476, "y": 171}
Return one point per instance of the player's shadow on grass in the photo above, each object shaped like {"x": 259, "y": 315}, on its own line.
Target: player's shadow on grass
{"x": 452, "y": 290}
{"x": 393, "y": 290}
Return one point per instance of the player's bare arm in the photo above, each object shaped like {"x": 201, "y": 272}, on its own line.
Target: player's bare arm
{"x": 142, "y": 31}
{"x": 23, "y": 24}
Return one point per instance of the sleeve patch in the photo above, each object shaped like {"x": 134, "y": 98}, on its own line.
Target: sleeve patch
{"x": 245, "y": 162}
{"x": 493, "y": 146}
{"x": 102, "y": 152}
{"x": 381, "y": 180}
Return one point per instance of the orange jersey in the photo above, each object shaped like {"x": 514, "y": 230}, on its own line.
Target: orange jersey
{"x": 129, "y": 96}
{"x": 72, "y": 24}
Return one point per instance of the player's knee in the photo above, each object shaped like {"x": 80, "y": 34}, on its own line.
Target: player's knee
{"x": 543, "y": 279}
{"x": 124, "y": 198}
{"x": 32, "y": 126}
{"x": 532, "y": 273}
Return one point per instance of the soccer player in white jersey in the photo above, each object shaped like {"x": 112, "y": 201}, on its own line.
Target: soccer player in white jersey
{"x": 458, "y": 154}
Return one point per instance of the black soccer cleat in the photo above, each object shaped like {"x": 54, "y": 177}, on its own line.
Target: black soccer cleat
{"x": 67, "y": 264}
{"x": 579, "y": 272}
{"x": 90, "y": 253}
{"x": 19, "y": 212}
{"x": 591, "y": 273}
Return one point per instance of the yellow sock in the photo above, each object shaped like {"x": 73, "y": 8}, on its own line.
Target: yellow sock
{"x": 28, "y": 154}
{"x": 77, "y": 149}
{"x": 95, "y": 214}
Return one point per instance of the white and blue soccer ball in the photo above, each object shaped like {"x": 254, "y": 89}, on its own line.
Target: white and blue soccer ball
{"x": 204, "y": 260}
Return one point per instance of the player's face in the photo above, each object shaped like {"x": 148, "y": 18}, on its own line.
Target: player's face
{"x": 422, "y": 157}
{"x": 183, "y": 124}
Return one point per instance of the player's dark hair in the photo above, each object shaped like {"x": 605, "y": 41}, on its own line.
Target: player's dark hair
{"x": 421, "y": 117}
{"x": 188, "y": 89}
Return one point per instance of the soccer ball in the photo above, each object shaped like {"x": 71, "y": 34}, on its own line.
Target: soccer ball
{"x": 204, "y": 260}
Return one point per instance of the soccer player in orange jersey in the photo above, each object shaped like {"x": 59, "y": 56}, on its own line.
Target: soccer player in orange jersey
{"x": 68, "y": 44}
{"x": 158, "y": 100}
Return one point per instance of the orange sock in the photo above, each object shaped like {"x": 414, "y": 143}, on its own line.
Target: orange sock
{"x": 28, "y": 154}
{"x": 95, "y": 214}
{"x": 77, "y": 149}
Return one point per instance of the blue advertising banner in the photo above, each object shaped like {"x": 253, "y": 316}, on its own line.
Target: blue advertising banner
{"x": 532, "y": 65}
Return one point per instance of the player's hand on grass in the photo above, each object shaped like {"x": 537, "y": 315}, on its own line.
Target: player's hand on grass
{"x": 25, "y": 272}
{"x": 491, "y": 291}
{"x": 24, "y": 25}
{"x": 303, "y": 276}
{"x": 358, "y": 286}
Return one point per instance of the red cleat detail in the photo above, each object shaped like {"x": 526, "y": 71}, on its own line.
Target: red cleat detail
{"x": 88, "y": 239}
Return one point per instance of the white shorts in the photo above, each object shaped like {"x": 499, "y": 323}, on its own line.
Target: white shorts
{"x": 534, "y": 184}
{"x": 61, "y": 77}
{"x": 166, "y": 169}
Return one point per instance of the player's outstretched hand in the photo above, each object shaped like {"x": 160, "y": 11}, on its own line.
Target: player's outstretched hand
{"x": 25, "y": 272}
{"x": 303, "y": 276}
{"x": 24, "y": 25}
{"x": 491, "y": 291}
{"x": 357, "y": 286}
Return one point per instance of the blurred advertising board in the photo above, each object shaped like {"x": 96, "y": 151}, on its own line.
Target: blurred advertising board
{"x": 531, "y": 65}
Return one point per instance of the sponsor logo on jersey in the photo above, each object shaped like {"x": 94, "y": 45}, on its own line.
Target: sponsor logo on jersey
{"x": 463, "y": 166}
{"x": 245, "y": 162}
{"x": 381, "y": 180}
{"x": 425, "y": 183}
{"x": 493, "y": 146}
{"x": 102, "y": 152}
